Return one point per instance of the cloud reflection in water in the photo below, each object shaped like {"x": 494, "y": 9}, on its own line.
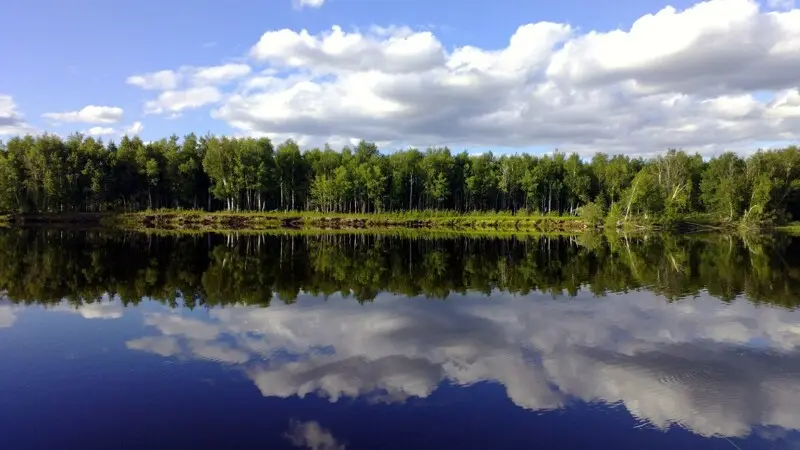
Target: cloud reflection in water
{"x": 711, "y": 367}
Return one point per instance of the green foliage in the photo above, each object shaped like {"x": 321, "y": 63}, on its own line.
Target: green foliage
{"x": 46, "y": 174}
{"x": 643, "y": 197}
{"x": 47, "y": 266}
{"x": 724, "y": 186}
{"x": 614, "y": 216}
{"x": 592, "y": 213}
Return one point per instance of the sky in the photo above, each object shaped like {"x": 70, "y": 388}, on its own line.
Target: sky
{"x": 629, "y": 76}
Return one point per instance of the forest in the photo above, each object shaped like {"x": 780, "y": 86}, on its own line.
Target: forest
{"x": 50, "y": 265}
{"x": 46, "y": 173}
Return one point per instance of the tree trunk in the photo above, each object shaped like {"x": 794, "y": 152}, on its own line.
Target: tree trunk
{"x": 411, "y": 190}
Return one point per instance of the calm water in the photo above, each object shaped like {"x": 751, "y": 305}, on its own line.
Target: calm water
{"x": 365, "y": 342}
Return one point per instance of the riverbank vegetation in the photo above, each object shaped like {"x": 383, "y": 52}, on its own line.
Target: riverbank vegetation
{"x": 225, "y": 221}
{"x": 47, "y": 174}
{"x": 419, "y": 220}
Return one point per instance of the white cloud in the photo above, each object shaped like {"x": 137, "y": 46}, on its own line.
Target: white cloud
{"x": 219, "y": 74}
{"x": 403, "y": 51}
{"x": 716, "y": 76}
{"x": 135, "y": 128}
{"x": 100, "y": 131}
{"x": 170, "y": 80}
{"x": 89, "y": 114}
{"x": 177, "y": 101}
{"x": 162, "y": 80}
{"x": 691, "y": 363}
{"x": 308, "y": 3}
{"x": 723, "y": 46}
{"x": 188, "y": 87}
{"x": 11, "y": 120}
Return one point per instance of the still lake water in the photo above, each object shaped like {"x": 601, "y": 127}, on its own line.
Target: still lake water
{"x": 377, "y": 342}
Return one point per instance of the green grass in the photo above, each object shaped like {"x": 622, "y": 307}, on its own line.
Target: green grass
{"x": 421, "y": 233}
{"x": 477, "y": 223}
{"x": 395, "y": 215}
{"x": 445, "y": 220}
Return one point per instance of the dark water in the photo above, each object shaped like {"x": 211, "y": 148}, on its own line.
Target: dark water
{"x": 369, "y": 342}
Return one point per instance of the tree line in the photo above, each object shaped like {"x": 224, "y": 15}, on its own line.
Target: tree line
{"x": 46, "y": 173}
{"x": 47, "y": 266}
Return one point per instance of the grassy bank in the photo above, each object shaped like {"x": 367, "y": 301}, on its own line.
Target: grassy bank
{"x": 191, "y": 220}
{"x": 413, "y": 221}
{"x": 405, "y": 233}
{"x": 200, "y": 220}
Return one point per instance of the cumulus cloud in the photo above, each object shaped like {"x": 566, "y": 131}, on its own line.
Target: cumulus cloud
{"x": 100, "y": 131}
{"x": 308, "y": 3}
{"x": 403, "y": 51}
{"x": 89, "y": 114}
{"x": 692, "y": 363}
{"x": 723, "y": 46}
{"x": 135, "y": 128}
{"x": 170, "y": 80}
{"x": 162, "y": 80}
{"x": 188, "y": 87}
{"x": 715, "y": 76}
{"x": 177, "y": 101}
{"x": 219, "y": 74}
{"x": 11, "y": 120}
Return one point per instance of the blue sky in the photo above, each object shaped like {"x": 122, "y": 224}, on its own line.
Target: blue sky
{"x": 65, "y": 55}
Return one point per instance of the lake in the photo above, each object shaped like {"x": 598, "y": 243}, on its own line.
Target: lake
{"x": 398, "y": 341}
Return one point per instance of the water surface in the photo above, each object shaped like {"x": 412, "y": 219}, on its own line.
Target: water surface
{"x": 381, "y": 342}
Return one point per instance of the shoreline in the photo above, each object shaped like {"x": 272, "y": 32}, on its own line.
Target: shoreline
{"x": 194, "y": 221}
{"x": 200, "y": 221}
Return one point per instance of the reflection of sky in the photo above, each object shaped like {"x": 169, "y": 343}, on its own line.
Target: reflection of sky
{"x": 105, "y": 308}
{"x": 8, "y": 315}
{"x": 312, "y": 436}
{"x": 712, "y": 368}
